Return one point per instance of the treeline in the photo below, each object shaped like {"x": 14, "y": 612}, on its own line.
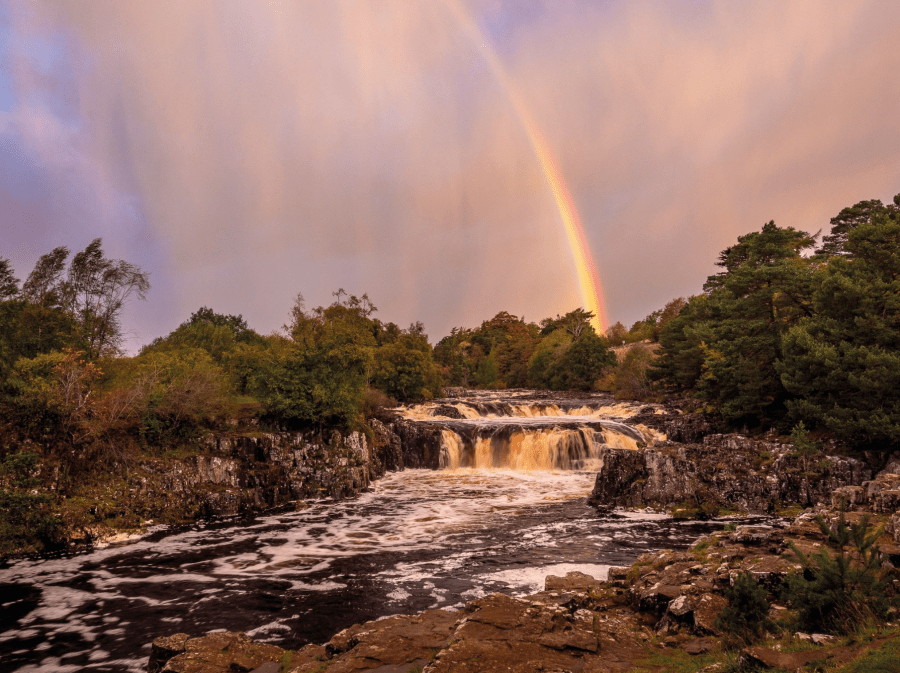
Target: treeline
{"x": 798, "y": 331}
{"x": 562, "y": 353}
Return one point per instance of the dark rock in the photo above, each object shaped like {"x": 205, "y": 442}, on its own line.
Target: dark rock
{"x": 222, "y": 652}
{"x": 750, "y": 474}
{"x": 163, "y": 649}
{"x": 656, "y": 599}
{"x": 448, "y": 411}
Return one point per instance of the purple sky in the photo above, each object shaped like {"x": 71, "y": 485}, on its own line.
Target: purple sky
{"x": 242, "y": 152}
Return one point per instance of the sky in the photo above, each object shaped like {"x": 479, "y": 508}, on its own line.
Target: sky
{"x": 245, "y": 152}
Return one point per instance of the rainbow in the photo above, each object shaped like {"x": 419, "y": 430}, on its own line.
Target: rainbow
{"x": 588, "y": 280}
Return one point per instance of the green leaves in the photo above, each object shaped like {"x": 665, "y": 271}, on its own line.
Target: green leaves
{"x": 840, "y": 590}
{"x": 746, "y": 616}
{"x": 842, "y": 364}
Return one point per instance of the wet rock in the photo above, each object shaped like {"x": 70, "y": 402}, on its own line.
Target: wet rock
{"x": 163, "y": 649}
{"x": 574, "y": 581}
{"x": 448, "y": 411}
{"x": 420, "y": 443}
{"x": 222, "y": 653}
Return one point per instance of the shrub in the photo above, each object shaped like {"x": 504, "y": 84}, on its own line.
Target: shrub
{"x": 745, "y": 618}
{"x": 842, "y": 592}
{"x": 27, "y": 523}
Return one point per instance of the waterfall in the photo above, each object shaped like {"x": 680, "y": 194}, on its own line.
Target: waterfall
{"x": 526, "y": 450}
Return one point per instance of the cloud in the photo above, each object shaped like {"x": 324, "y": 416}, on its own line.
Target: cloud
{"x": 247, "y": 151}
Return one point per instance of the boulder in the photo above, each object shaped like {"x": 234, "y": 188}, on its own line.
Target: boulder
{"x": 222, "y": 652}
{"x": 163, "y": 649}
{"x": 574, "y": 581}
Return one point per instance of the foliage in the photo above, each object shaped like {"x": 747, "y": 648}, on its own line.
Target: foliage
{"x": 405, "y": 369}
{"x": 842, "y": 364}
{"x": 581, "y": 364}
{"x": 216, "y": 333}
{"x": 745, "y": 617}
{"x": 629, "y": 378}
{"x": 544, "y": 362}
{"x": 839, "y": 593}
{"x": 781, "y": 336}
{"x": 27, "y": 523}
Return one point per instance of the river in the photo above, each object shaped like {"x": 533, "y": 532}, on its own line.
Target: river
{"x": 417, "y": 539}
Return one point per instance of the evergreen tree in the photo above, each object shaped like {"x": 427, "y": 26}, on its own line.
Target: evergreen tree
{"x": 843, "y": 362}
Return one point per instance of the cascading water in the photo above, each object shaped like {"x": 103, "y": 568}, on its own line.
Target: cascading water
{"x": 492, "y": 433}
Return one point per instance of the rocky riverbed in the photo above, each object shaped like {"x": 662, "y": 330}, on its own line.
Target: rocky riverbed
{"x": 656, "y": 614}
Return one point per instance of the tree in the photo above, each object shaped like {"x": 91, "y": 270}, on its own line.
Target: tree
{"x": 216, "y": 333}
{"x": 582, "y": 362}
{"x": 679, "y": 362}
{"x": 765, "y": 289}
{"x": 850, "y": 218}
{"x": 9, "y": 284}
{"x": 44, "y": 285}
{"x": 96, "y": 292}
{"x": 616, "y": 334}
{"x": 406, "y": 371}
{"x": 574, "y": 322}
{"x": 842, "y": 363}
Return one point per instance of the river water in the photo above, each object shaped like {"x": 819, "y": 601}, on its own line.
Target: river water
{"x": 418, "y": 539}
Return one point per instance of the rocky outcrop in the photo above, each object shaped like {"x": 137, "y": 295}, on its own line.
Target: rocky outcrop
{"x": 419, "y": 444}
{"x": 212, "y": 653}
{"x": 752, "y": 475}
{"x": 241, "y": 473}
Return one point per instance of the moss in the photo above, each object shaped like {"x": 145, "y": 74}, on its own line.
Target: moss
{"x": 789, "y": 511}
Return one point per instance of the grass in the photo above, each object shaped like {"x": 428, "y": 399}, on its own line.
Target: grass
{"x": 883, "y": 659}
{"x": 679, "y": 661}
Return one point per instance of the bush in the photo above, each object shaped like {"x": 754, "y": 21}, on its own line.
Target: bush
{"x": 840, "y": 593}
{"x": 27, "y": 523}
{"x": 629, "y": 379}
{"x": 746, "y": 616}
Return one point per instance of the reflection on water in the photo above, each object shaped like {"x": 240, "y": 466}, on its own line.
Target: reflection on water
{"x": 420, "y": 539}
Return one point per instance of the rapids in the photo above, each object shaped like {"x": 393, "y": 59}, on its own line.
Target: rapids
{"x": 417, "y": 539}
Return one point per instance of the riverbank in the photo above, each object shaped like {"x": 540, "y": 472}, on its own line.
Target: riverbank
{"x": 659, "y": 614}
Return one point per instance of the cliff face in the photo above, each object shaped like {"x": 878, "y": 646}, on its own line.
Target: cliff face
{"x": 228, "y": 474}
{"x": 238, "y": 474}
{"x": 722, "y": 471}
